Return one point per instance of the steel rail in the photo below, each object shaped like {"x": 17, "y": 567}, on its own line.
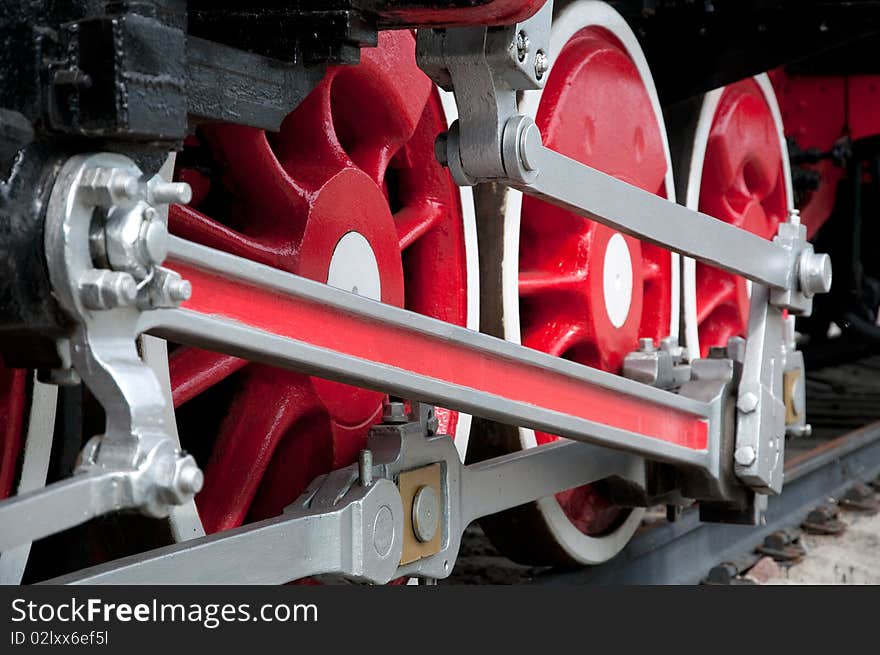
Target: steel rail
{"x": 683, "y": 552}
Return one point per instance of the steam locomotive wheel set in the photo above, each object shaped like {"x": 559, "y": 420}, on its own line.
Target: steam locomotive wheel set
{"x": 338, "y": 291}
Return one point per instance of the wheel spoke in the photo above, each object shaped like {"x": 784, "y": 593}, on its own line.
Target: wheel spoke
{"x": 261, "y": 193}
{"x": 268, "y": 404}
{"x": 307, "y": 145}
{"x": 414, "y": 221}
{"x": 388, "y": 93}
{"x": 194, "y": 371}
{"x": 714, "y": 289}
{"x": 188, "y": 223}
{"x": 537, "y": 282}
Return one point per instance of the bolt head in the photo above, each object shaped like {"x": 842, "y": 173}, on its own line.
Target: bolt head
{"x": 108, "y": 187}
{"x": 154, "y": 239}
{"x": 394, "y": 412}
{"x": 646, "y": 345}
{"x": 744, "y": 456}
{"x": 815, "y": 273}
{"x": 180, "y": 290}
{"x": 103, "y": 289}
{"x": 542, "y": 64}
{"x": 748, "y": 402}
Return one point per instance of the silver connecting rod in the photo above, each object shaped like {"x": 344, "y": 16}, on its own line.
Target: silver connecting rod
{"x": 378, "y": 346}
{"x": 61, "y": 505}
{"x": 360, "y": 536}
{"x": 583, "y": 190}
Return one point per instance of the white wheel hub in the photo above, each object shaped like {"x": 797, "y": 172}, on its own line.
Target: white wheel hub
{"x": 617, "y": 280}
{"x": 353, "y": 267}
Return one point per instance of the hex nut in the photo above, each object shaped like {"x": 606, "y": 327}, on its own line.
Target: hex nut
{"x": 108, "y": 187}
{"x": 745, "y": 456}
{"x": 102, "y": 289}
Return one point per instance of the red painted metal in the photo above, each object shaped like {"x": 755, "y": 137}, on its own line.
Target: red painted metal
{"x": 452, "y": 14}
{"x": 743, "y": 184}
{"x": 819, "y": 110}
{"x": 405, "y": 349}
{"x": 594, "y": 109}
{"x": 357, "y": 155}
{"x": 13, "y": 399}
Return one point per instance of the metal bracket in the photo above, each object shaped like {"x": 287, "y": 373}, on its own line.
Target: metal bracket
{"x": 105, "y": 239}
{"x": 350, "y": 524}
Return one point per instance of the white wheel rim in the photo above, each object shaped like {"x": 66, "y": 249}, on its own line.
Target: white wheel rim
{"x": 572, "y": 19}
{"x": 34, "y": 468}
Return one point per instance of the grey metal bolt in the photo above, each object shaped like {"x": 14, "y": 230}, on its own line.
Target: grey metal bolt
{"x": 180, "y": 290}
{"x": 814, "y": 273}
{"x": 646, "y": 345}
{"x": 365, "y": 467}
{"x": 744, "y": 456}
{"x": 165, "y": 193}
{"x": 522, "y": 46}
{"x": 394, "y": 412}
{"x": 190, "y": 478}
{"x": 542, "y": 64}
{"x": 154, "y": 237}
{"x": 804, "y": 430}
{"x": 103, "y": 289}
{"x": 425, "y": 513}
{"x": 748, "y": 402}
{"x": 106, "y": 187}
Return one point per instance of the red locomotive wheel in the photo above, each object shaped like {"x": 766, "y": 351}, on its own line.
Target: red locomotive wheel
{"x": 348, "y": 192}
{"x": 739, "y": 173}
{"x": 574, "y": 288}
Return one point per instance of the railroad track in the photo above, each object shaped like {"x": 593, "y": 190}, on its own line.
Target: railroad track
{"x": 842, "y": 453}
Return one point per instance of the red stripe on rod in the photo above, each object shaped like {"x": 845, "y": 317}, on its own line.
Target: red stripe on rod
{"x": 329, "y": 328}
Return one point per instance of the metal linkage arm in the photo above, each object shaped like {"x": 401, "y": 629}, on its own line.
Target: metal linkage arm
{"x": 400, "y": 511}
{"x": 492, "y": 142}
{"x": 243, "y": 308}
{"x": 42, "y": 512}
{"x": 356, "y": 537}
{"x": 641, "y": 214}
